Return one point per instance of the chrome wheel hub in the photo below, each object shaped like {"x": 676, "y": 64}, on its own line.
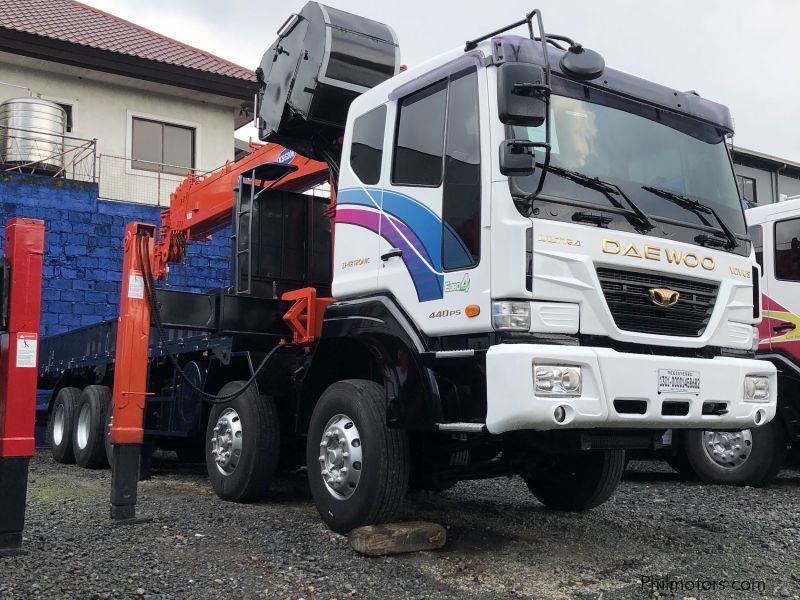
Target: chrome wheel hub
{"x": 728, "y": 449}
{"x": 226, "y": 441}
{"x": 84, "y": 426}
{"x": 58, "y": 425}
{"x": 340, "y": 457}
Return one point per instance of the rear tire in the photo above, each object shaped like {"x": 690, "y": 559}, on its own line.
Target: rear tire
{"x": 576, "y": 482}
{"x": 366, "y": 462}
{"x": 89, "y": 432}
{"x": 763, "y": 455}
{"x": 60, "y": 424}
{"x": 242, "y": 444}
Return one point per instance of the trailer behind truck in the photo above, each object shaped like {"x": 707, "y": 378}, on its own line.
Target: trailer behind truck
{"x": 534, "y": 263}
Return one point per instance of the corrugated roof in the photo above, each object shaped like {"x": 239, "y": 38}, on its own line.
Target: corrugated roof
{"x": 73, "y": 22}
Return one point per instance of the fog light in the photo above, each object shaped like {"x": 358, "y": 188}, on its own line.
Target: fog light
{"x": 756, "y": 388}
{"x": 511, "y": 316}
{"x": 559, "y": 414}
{"x": 556, "y": 380}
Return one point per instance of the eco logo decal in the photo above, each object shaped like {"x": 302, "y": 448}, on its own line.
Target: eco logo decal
{"x": 406, "y": 224}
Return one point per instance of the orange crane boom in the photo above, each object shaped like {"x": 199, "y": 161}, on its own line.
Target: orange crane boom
{"x": 202, "y": 204}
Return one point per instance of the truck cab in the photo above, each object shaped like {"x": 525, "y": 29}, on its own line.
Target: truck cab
{"x": 612, "y": 280}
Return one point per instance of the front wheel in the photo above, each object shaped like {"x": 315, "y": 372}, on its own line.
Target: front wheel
{"x": 576, "y": 482}
{"x": 357, "y": 466}
{"x": 242, "y": 444}
{"x": 749, "y": 457}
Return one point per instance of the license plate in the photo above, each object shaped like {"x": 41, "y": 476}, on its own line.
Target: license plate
{"x": 678, "y": 381}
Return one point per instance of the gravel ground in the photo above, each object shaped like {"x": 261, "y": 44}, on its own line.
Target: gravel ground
{"x": 502, "y": 543}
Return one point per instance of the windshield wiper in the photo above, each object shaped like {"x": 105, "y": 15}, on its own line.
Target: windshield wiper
{"x": 610, "y": 190}
{"x": 697, "y": 207}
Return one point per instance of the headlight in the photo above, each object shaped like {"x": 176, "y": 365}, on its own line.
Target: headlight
{"x": 511, "y": 316}
{"x": 756, "y": 388}
{"x": 556, "y": 380}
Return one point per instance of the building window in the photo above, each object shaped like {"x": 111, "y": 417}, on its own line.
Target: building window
{"x": 162, "y": 147}
{"x": 366, "y": 150}
{"x": 67, "y": 109}
{"x": 461, "y": 196}
{"x": 419, "y": 143}
{"x": 787, "y": 250}
{"x": 747, "y": 188}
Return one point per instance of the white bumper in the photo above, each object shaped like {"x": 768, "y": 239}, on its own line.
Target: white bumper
{"x": 609, "y": 375}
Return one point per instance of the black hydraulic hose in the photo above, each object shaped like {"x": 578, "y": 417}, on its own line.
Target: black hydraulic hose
{"x": 149, "y": 288}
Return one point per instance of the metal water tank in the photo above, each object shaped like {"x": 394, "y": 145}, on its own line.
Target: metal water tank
{"x": 32, "y": 135}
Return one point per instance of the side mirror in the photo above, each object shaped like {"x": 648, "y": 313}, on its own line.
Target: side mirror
{"x": 517, "y": 157}
{"x": 521, "y": 94}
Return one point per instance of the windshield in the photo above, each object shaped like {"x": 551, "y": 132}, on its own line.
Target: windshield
{"x": 660, "y": 150}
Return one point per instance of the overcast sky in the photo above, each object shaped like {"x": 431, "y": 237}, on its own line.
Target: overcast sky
{"x": 741, "y": 53}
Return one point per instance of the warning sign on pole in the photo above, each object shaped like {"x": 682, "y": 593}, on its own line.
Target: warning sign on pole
{"x": 27, "y": 347}
{"x": 135, "y": 285}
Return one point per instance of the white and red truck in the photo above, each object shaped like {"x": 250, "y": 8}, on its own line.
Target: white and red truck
{"x": 754, "y": 456}
{"x": 538, "y": 262}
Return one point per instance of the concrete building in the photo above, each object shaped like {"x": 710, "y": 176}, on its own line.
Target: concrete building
{"x": 142, "y": 109}
{"x": 763, "y": 179}
{"x": 157, "y": 107}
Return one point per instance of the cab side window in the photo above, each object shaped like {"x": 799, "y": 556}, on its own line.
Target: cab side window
{"x": 461, "y": 197}
{"x": 419, "y": 142}
{"x": 757, "y": 235}
{"x": 787, "y": 250}
{"x": 366, "y": 148}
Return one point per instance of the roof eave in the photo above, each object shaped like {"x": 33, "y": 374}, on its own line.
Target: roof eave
{"x": 78, "y": 55}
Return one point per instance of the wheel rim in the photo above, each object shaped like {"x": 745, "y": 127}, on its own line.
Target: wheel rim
{"x": 340, "y": 457}
{"x": 728, "y": 449}
{"x": 84, "y": 426}
{"x": 58, "y": 425}
{"x": 226, "y": 441}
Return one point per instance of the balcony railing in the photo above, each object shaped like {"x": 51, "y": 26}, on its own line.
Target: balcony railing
{"x": 141, "y": 181}
{"x": 46, "y": 153}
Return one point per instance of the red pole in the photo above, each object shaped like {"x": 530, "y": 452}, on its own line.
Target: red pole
{"x": 24, "y": 251}
{"x": 130, "y": 372}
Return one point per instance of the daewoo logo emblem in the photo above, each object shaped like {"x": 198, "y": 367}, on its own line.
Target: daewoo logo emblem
{"x": 663, "y": 297}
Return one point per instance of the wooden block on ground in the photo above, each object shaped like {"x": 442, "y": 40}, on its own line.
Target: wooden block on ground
{"x": 394, "y": 538}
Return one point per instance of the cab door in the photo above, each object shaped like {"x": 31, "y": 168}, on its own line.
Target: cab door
{"x": 783, "y": 292}
{"x": 434, "y": 236}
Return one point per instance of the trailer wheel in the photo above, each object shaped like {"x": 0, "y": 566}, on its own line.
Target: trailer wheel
{"x": 358, "y": 467}
{"x": 750, "y": 457}
{"x": 576, "y": 482}
{"x": 89, "y": 432}
{"x": 242, "y": 444}
{"x": 59, "y": 425}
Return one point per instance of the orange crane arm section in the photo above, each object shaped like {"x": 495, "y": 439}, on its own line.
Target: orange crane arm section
{"x": 202, "y": 204}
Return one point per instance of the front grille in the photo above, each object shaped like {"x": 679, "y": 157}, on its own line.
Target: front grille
{"x": 628, "y": 298}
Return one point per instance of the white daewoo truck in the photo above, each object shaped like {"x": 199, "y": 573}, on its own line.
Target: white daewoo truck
{"x": 538, "y": 262}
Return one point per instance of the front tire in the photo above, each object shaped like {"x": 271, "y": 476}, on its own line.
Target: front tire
{"x": 242, "y": 444}
{"x": 60, "y": 424}
{"x": 576, "y": 482}
{"x": 750, "y": 457}
{"x": 358, "y": 467}
{"x": 89, "y": 432}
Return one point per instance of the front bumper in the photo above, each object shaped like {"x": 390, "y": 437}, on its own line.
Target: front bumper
{"x": 609, "y": 375}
